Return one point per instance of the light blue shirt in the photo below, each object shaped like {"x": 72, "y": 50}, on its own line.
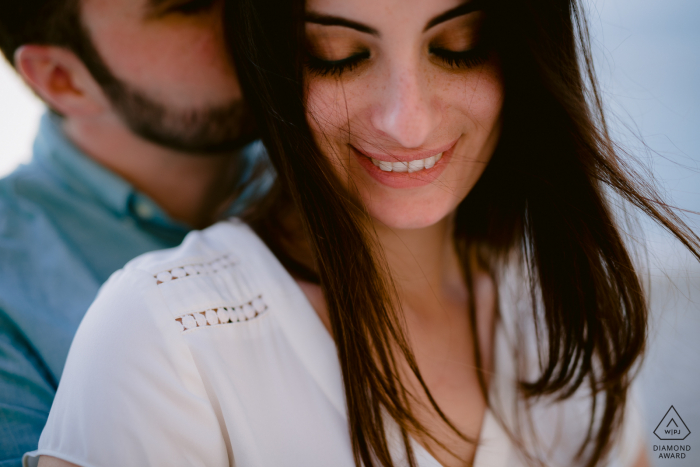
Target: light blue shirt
{"x": 66, "y": 224}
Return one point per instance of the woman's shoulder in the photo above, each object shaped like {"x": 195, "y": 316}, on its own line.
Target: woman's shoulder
{"x": 135, "y": 342}
{"x": 216, "y": 276}
{"x": 201, "y": 252}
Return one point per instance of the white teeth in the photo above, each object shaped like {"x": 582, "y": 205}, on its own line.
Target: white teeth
{"x": 415, "y": 166}
{"x": 410, "y": 167}
{"x": 399, "y": 166}
{"x": 385, "y": 166}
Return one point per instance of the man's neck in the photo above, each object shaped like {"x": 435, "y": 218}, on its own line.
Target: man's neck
{"x": 193, "y": 189}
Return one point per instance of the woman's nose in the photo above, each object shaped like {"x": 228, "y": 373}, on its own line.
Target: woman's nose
{"x": 404, "y": 110}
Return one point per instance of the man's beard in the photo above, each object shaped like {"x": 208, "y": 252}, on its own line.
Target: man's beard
{"x": 211, "y": 130}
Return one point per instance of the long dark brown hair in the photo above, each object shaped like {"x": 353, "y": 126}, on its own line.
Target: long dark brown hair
{"x": 546, "y": 194}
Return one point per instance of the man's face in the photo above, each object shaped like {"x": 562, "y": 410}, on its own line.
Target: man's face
{"x": 164, "y": 66}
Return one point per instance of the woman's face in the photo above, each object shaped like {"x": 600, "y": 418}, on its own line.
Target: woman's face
{"x": 404, "y": 100}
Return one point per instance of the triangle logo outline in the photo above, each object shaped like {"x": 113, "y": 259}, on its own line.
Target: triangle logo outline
{"x": 666, "y": 433}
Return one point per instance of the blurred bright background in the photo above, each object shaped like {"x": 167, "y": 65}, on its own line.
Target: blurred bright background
{"x": 648, "y": 63}
{"x": 649, "y": 67}
{"x": 20, "y": 110}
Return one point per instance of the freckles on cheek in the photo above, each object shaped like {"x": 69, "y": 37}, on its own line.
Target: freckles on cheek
{"x": 484, "y": 93}
{"x": 326, "y": 111}
{"x": 330, "y": 118}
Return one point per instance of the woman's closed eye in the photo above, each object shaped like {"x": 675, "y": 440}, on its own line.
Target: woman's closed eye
{"x": 323, "y": 67}
{"x": 189, "y": 7}
{"x": 463, "y": 59}
{"x": 460, "y": 43}
{"x": 460, "y": 59}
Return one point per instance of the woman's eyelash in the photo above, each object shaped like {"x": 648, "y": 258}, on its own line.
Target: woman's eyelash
{"x": 335, "y": 67}
{"x": 462, "y": 59}
{"x": 192, "y": 7}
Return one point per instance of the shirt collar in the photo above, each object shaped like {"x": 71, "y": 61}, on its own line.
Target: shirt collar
{"x": 54, "y": 152}
{"x": 74, "y": 169}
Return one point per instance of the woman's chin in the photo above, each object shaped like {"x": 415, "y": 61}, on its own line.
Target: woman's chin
{"x": 410, "y": 209}
{"x": 402, "y": 218}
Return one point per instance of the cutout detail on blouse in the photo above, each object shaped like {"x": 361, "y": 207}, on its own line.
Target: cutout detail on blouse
{"x": 211, "y": 267}
{"x": 223, "y": 315}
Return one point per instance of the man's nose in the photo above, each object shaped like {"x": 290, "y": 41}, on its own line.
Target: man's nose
{"x": 404, "y": 110}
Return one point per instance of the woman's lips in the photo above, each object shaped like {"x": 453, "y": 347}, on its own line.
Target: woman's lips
{"x": 408, "y": 171}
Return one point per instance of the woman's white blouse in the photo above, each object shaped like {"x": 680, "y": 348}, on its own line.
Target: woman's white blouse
{"x": 210, "y": 355}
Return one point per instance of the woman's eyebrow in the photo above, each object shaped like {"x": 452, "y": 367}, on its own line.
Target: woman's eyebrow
{"x": 156, "y": 8}
{"x": 326, "y": 20}
{"x": 461, "y": 10}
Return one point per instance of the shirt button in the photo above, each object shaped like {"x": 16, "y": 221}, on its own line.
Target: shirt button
{"x": 143, "y": 210}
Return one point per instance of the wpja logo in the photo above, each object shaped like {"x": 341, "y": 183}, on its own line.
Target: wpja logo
{"x": 672, "y": 428}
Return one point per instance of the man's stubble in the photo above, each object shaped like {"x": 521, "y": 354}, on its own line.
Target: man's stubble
{"x": 212, "y": 130}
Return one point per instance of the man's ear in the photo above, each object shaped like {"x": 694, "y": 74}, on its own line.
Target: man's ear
{"x": 61, "y": 79}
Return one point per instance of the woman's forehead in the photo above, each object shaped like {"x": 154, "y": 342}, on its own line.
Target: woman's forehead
{"x": 383, "y": 14}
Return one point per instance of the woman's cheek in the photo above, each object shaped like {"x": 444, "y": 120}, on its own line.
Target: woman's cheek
{"x": 323, "y": 103}
{"x": 484, "y": 95}
{"x": 327, "y": 116}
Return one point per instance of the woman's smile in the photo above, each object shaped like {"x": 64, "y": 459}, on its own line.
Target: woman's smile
{"x": 408, "y": 170}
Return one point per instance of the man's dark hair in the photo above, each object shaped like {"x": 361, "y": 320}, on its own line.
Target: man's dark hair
{"x": 48, "y": 22}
